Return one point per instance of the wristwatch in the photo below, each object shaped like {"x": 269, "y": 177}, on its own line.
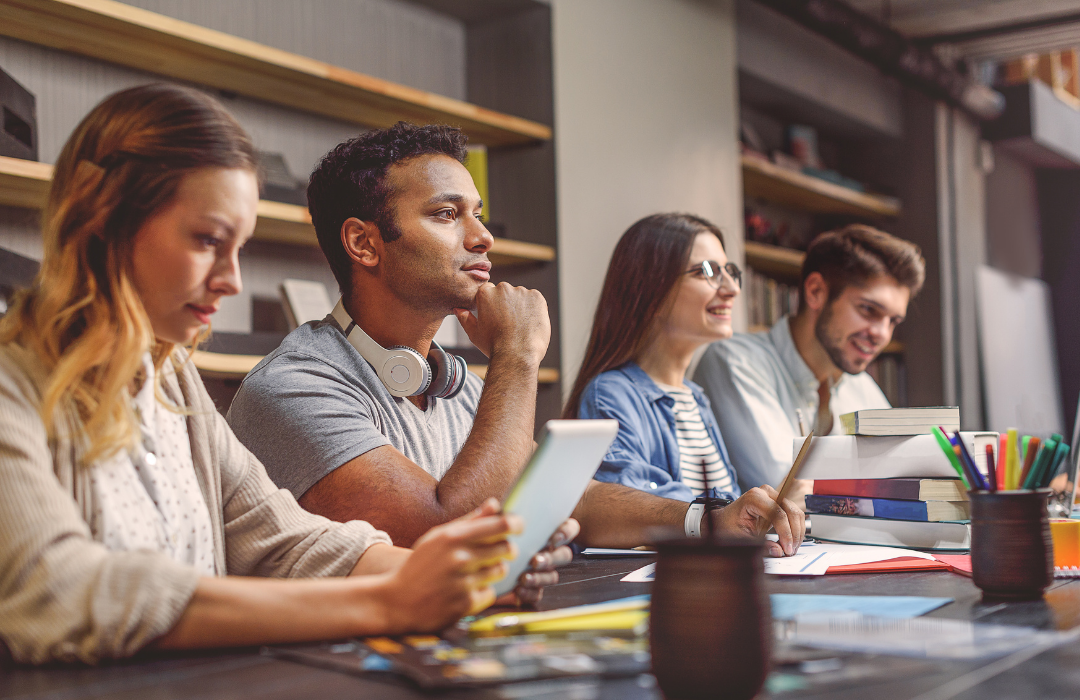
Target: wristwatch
{"x": 696, "y": 511}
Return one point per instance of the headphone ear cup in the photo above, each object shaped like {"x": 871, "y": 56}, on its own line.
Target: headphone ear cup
{"x": 459, "y": 378}
{"x": 405, "y": 372}
{"x": 448, "y": 373}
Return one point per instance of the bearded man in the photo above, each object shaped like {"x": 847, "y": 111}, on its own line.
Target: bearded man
{"x": 770, "y": 387}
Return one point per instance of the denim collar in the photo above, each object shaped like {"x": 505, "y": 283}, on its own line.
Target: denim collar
{"x": 651, "y": 390}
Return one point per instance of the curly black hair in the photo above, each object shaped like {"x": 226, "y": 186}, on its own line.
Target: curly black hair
{"x": 350, "y": 181}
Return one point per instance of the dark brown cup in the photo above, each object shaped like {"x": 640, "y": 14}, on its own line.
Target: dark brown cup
{"x": 1012, "y": 554}
{"x": 711, "y": 624}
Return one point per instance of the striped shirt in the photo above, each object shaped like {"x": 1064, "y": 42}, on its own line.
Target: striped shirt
{"x": 697, "y": 452}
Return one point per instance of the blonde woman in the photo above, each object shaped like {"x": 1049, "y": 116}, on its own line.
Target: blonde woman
{"x": 129, "y": 513}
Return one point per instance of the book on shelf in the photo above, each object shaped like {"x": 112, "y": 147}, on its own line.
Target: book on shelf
{"x": 886, "y": 457}
{"x": 900, "y": 421}
{"x": 852, "y": 529}
{"x": 767, "y": 301}
{"x": 889, "y": 508}
{"x": 908, "y": 489}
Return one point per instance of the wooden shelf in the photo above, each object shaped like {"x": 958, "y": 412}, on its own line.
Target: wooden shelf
{"x": 893, "y": 348}
{"x": 766, "y": 181}
{"x": 147, "y": 41}
{"x": 223, "y": 366}
{"x": 25, "y": 183}
{"x": 774, "y": 260}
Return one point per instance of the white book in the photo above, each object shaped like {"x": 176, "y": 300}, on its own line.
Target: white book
{"x": 853, "y": 529}
{"x": 886, "y": 457}
{"x": 900, "y": 421}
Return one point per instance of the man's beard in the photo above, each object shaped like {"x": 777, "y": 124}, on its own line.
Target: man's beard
{"x": 832, "y": 347}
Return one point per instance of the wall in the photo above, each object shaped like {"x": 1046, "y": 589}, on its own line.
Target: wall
{"x": 389, "y": 39}
{"x": 1012, "y": 216}
{"x": 962, "y": 249}
{"x": 645, "y": 121}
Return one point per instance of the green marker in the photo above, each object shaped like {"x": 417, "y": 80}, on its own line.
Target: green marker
{"x": 946, "y": 447}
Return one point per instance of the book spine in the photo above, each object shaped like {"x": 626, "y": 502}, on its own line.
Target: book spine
{"x": 840, "y": 505}
{"x": 868, "y": 507}
{"x": 868, "y": 488}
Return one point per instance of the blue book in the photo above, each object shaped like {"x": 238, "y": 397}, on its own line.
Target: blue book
{"x": 889, "y": 508}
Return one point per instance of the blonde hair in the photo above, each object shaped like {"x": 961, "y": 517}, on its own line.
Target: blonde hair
{"x": 82, "y": 316}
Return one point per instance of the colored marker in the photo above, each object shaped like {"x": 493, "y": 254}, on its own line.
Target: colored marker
{"x": 990, "y": 468}
{"x": 947, "y": 448}
{"x": 1012, "y": 472}
{"x": 1002, "y": 444}
{"x": 1031, "y": 448}
{"x": 1042, "y": 463}
{"x": 1059, "y": 457}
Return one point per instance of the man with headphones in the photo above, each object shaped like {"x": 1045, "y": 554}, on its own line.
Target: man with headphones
{"x": 362, "y": 416}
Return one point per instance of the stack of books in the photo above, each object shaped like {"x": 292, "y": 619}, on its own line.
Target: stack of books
{"x": 886, "y": 482}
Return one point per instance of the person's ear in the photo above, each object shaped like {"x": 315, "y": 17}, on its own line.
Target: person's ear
{"x": 815, "y": 291}
{"x": 361, "y": 241}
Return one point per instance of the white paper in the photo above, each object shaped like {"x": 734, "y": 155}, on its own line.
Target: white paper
{"x": 845, "y": 554}
{"x": 608, "y": 552}
{"x": 812, "y": 559}
{"x": 646, "y": 574}
{"x": 886, "y": 457}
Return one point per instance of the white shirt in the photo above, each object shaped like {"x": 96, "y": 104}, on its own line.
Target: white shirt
{"x": 149, "y": 498}
{"x": 757, "y": 384}
{"x": 697, "y": 451}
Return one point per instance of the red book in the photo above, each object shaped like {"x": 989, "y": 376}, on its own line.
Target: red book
{"x": 907, "y": 489}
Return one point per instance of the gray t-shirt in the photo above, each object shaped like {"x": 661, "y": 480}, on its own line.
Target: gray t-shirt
{"x": 314, "y": 404}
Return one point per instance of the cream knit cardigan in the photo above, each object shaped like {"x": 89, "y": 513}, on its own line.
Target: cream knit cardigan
{"x": 64, "y": 596}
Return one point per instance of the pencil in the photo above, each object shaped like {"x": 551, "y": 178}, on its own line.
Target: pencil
{"x": 789, "y": 480}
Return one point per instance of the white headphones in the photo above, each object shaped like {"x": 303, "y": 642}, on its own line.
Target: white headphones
{"x": 404, "y": 371}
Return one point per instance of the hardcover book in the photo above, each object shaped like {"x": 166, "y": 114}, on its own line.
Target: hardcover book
{"x": 892, "y": 509}
{"x": 907, "y": 489}
{"x": 900, "y": 421}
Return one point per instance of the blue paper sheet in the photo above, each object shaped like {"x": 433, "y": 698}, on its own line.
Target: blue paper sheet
{"x": 786, "y": 606}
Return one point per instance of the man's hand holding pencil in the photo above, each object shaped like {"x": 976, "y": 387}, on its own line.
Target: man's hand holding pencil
{"x": 760, "y": 505}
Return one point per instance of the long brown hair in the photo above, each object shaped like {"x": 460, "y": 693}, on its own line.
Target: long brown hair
{"x": 82, "y": 316}
{"x": 647, "y": 262}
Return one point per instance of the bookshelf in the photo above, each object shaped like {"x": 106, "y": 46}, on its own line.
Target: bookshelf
{"x": 25, "y": 184}
{"x": 763, "y": 180}
{"x": 219, "y": 365}
{"x": 147, "y": 41}
{"x": 513, "y": 123}
{"x": 775, "y": 260}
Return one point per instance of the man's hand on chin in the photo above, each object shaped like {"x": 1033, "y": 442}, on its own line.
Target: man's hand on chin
{"x": 541, "y": 572}
{"x": 744, "y": 516}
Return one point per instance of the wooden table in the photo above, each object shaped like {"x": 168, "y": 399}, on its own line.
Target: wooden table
{"x": 247, "y": 674}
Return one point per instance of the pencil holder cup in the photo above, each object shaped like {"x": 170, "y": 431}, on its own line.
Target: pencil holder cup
{"x": 711, "y": 626}
{"x": 1012, "y": 554}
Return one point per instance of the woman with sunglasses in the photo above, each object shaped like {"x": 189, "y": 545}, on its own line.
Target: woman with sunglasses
{"x": 669, "y": 291}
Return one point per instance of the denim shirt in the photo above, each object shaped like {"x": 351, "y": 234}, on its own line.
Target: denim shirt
{"x": 645, "y": 454}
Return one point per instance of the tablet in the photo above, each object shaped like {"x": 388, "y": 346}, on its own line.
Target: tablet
{"x": 552, "y": 484}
